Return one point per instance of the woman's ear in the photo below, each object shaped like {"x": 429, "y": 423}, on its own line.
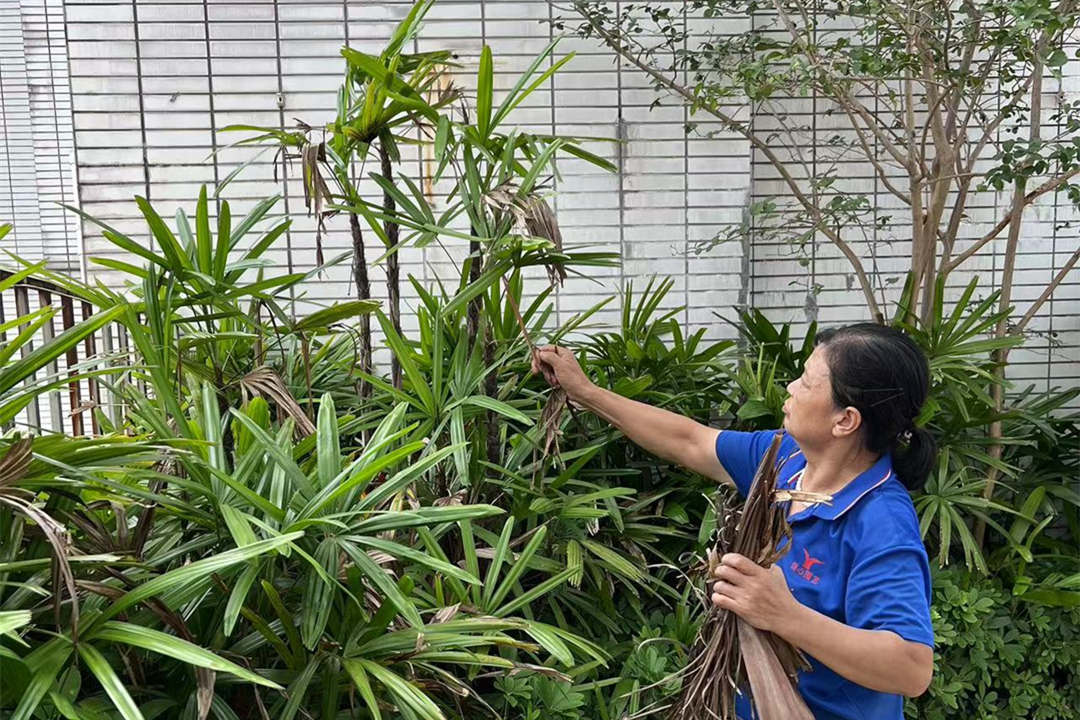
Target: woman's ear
{"x": 848, "y": 422}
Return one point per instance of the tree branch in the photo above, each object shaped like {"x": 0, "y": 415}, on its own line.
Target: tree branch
{"x": 815, "y": 212}
{"x": 846, "y": 99}
{"x": 1048, "y": 186}
{"x": 872, "y": 157}
{"x": 1058, "y": 279}
{"x": 1004, "y": 300}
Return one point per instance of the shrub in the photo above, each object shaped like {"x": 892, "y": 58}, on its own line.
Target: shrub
{"x": 999, "y": 657}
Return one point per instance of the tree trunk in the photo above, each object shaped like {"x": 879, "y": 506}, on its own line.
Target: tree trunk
{"x": 1001, "y": 356}
{"x": 939, "y": 197}
{"x": 491, "y": 428}
{"x": 393, "y": 287}
{"x": 473, "y": 312}
{"x": 491, "y": 389}
{"x": 915, "y": 191}
{"x": 363, "y": 292}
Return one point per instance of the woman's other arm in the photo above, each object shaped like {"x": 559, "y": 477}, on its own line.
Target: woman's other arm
{"x": 877, "y": 659}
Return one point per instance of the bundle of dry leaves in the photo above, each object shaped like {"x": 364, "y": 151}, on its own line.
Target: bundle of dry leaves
{"x": 730, "y": 655}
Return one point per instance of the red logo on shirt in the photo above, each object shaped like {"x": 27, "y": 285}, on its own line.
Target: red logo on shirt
{"x": 803, "y": 570}
{"x": 810, "y": 562}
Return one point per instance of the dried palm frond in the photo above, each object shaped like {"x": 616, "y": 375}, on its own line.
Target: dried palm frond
{"x": 204, "y": 691}
{"x": 551, "y": 420}
{"x": 316, "y": 191}
{"x": 540, "y": 221}
{"x": 446, "y": 614}
{"x": 445, "y": 89}
{"x": 16, "y": 461}
{"x": 504, "y": 198}
{"x": 535, "y": 217}
{"x": 457, "y": 498}
{"x": 264, "y": 382}
{"x": 557, "y": 402}
{"x": 802, "y": 496}
{"x": 729, "y": 655}
{"x": 772, "y": 688}
{"x": 441, "y": 92}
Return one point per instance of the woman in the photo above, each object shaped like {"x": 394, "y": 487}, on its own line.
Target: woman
{"x": 853, "y": 590}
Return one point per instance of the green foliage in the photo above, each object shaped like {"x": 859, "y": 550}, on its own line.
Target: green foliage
{"x": 275, "y": 550}
{"x": 535, "y": 697}
{"x": 326, "y": 547}
{"x": 999, "y": 657}
{"x": 958, "y": 342}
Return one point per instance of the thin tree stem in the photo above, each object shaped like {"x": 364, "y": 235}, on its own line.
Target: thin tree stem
{"x": 363, "y": 292}
{"x": 393, "y": 285}
{"x": 1017, "y": 216}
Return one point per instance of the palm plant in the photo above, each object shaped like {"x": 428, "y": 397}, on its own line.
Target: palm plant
{"x": 648, "y": 355}
{"x": 217, "y": 527}
{"x": 203, "y": 309}
{"x": 382, "y": 98}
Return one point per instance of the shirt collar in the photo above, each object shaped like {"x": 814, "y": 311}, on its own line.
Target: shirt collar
{"x": 851, "y": 493}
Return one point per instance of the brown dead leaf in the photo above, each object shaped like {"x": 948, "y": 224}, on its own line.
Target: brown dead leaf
{"x": 447, "y": 614}
{"x": 774, "y": 694}
{"x": 264, "y": 382}
{"x": 204, "y": 694}
{"x": 16, "y": 461}
{"x": 316, "y": 191}
{"x": 63, "y": 578}
{"x": 802, "y": 496}
{"x": 457, "y": 498}
{"x": 550, "y": 420}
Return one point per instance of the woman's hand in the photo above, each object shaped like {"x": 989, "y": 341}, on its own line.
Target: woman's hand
{"x": 760, "y": 597}
{"x": 561, "y": 369}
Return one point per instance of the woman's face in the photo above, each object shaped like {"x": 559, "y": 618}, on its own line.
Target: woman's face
{"x": 809, "y": 412}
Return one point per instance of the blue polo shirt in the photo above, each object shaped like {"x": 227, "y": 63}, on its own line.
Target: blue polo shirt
{"x": 860, "y": 561}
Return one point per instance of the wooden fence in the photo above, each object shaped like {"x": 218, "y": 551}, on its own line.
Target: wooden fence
{"x": 70, "y": 407}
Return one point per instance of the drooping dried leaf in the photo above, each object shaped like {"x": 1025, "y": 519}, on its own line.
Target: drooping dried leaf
{"x": 264, "y": 382}
{"x": 58, "y": 537}
{"x": 108, "y": 591}
{"x": 165, "y": 466}
{"x": 380, "y": 558}
{"x": 259, "y": 702}
{"x": 540, "y": 221}
{"x": 316, "y": 191}
{"x": 446, "y": 614}
{"x": 550, "y": 419}
{"x": 457, "y": 498}
{"x": 16, "y": 461}
{"x": 534, "y": 216}
{"x": 503, "y": 198}
{"x": 204, "y": 694}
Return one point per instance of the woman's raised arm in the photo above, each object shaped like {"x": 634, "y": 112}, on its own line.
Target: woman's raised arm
{"x": 666, "y": 434}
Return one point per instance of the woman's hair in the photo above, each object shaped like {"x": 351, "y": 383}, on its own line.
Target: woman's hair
{"x": 882, "y": 373}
